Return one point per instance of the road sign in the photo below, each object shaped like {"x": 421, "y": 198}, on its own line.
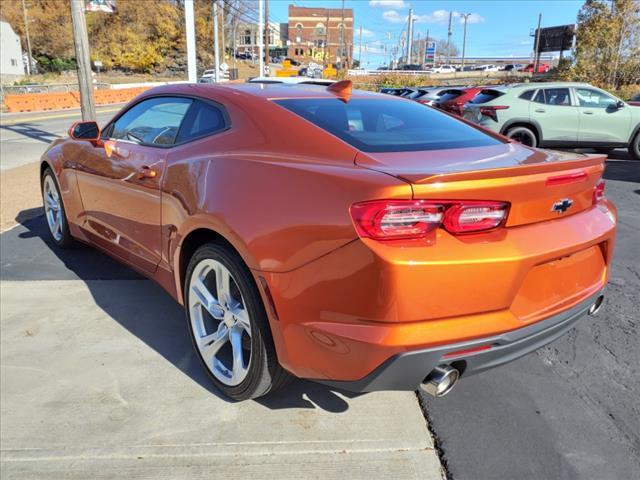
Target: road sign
{"x": 430, "y": 53}
{"x": 555, "y": 39}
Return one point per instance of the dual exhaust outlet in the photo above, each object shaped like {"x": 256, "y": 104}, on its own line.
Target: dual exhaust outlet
{"x": 444, "y": 377}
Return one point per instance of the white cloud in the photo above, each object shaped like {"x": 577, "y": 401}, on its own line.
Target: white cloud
{"x": 473, "y": 18}
{"x": 442, "y": 17}
{"x": 394, "y": 17}
{"x": 388, "y": 3}
{"x": 365, "y": 33}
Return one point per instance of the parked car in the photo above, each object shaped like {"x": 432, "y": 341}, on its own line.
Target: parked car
{"x": 432, "y": 94}
{"x": 329, "y": 234}
{"x": 443, "y": 69}
{"x": 412, "y": 66}
{"x": 542, "y": 68}
{"x": 487, "y": 68}
{"x": 208, "y": 76}
{"x": 453, "y": 100}
{"x": 635, "y": 101}
{"x": 513, "y": 67}
{"x": 568, "y": 115}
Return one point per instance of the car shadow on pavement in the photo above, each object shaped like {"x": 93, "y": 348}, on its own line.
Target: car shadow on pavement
{"x": 28, "y": 130}
{"x": 141, "y": 307}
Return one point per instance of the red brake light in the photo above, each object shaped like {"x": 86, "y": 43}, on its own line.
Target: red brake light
{"x": 405, "y": 219}
{"x": 393, "y": 219}
{"x": 467, "y": 217}
{"x": 598, "y": 191}
{"x": 491, "y": 111}
{"x": 567, "y": 178}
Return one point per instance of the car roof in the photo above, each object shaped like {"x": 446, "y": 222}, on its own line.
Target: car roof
{"x": 265, "y": 91}
{"x": 533, "y": 85}
{"x": 290, "y": 80}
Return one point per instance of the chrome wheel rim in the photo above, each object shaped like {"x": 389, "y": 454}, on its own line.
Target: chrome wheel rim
{"x": 220, "y": 322}
{"x": 52, "y": 208}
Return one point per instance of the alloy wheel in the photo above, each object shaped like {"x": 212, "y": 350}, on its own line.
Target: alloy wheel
{"x": 220, "y": 321}
{"x": 525, "y": 137}
{"x": 52, "y": 208}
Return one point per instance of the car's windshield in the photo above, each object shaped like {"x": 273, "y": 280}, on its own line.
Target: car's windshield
{"x": 387, "y": 125}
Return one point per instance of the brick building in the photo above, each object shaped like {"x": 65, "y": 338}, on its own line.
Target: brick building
{"x": 316, "y": 34}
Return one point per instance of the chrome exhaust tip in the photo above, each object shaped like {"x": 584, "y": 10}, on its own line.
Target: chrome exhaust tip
{"x": 595, "y": 308}
{"x": 440, "y": 381}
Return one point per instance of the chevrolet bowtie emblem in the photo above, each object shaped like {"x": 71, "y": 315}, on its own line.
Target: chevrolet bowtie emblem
{"x": 562, "y": 206}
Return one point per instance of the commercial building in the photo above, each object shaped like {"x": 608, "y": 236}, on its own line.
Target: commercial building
{"x": 247, "y": 35}
{"x": 11, "y": 61}
{"x": 321, "y": 35}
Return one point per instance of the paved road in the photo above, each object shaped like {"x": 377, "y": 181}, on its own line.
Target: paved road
{"x": 99, "y": 380}
{"x": 572, "y": 410}
{"x": 24, "y": 136}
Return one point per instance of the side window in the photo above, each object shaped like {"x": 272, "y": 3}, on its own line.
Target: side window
{"x": 557, "y": 96}
{"x": 154, "y": 121}
{"x": 203, "y": 119}
{"x": 539, "y": 98}
{"x": 528, "y": 95}
{"x": 594, "y": 99}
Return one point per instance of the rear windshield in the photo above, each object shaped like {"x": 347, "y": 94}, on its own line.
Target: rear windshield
{"x": 486, "y": 96}
{"x": 450, "y": 95}
{"x": 387, "y": 125}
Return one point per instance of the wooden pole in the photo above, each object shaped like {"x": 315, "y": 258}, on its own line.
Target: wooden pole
{"x": 83, "y": 60}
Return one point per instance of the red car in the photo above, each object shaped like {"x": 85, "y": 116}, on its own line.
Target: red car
{"x": 453, "y": 100}
{"x": 542, "y": 68}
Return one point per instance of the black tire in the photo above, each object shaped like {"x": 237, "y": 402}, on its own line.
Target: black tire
{"x": 264, "y": 373}
{"x": 634, "y": 147}
{"x": 64, "y": 239}
{"x": 524, "y": 135}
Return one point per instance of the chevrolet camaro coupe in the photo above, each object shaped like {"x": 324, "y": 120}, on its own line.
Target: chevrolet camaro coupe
{"x": 356, "y": 239}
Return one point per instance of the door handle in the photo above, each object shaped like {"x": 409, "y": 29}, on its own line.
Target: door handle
{"x": 588, "y": 113}
{"x": 146, "y": 172}
{"x": 540, "y": 110}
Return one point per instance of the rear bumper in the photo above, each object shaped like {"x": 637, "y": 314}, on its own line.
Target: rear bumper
{"x": 406, "y": 371}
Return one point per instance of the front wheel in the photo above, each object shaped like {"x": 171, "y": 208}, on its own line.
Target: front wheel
{"x": 524, "y": 135}
{"x": 54, "y": 211}
{"x": 229, "y": 326}
{"x": 634, "y": 147}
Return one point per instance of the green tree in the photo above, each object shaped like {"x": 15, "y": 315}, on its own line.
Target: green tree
{"x": 607, "y": 51}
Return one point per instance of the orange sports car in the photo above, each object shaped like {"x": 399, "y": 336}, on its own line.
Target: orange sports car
{"x": 352, "y": 238}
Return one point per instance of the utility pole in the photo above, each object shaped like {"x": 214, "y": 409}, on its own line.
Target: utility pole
{"x": 536, "y": 58}
{"x": 191, "y": 41}
{"x": 216, "y": 55}
{"x": 464, "y": 38}
{"x": 342, "y": 52}
{"x": 449, "y": 39}
{"x": 267, "y": 58}
{"x": 26, "y": 32}
{"x": 260, "y": 29}
{"x": 410, "y": 44}
{"x": 83, "y": 60}
{"x": 326, "y": 40}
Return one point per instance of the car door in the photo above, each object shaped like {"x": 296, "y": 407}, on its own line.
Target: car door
{"x": 555, "y": 114}
{"x": 120, "y": 179}
{"x": 601, "y": 120}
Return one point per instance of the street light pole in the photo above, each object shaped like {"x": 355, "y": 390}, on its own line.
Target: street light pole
{"x": 192, "y": 68}
{"x": 83, "y": 60}
{"x": 464, "y": 38}
{"x": 216, "y": 55}
{"x": 260, "y": 29}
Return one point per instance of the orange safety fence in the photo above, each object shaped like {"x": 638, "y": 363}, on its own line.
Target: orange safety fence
{"x": 35, "y": 102}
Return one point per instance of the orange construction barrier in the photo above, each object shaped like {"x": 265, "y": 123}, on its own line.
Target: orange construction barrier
{"x": 34, "y": 102}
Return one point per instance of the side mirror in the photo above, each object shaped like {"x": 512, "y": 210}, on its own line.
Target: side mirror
{"x": 620, "y": 104}
{"x": 85, "y": 131}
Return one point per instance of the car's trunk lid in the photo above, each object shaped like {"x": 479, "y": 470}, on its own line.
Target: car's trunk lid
{"x": 539, "y": 185}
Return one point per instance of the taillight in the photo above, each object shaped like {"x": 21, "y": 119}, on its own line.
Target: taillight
{"x": 491, "y": 111}
{"x": 598, "y": 192}
{"x": 406, "y": 219}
